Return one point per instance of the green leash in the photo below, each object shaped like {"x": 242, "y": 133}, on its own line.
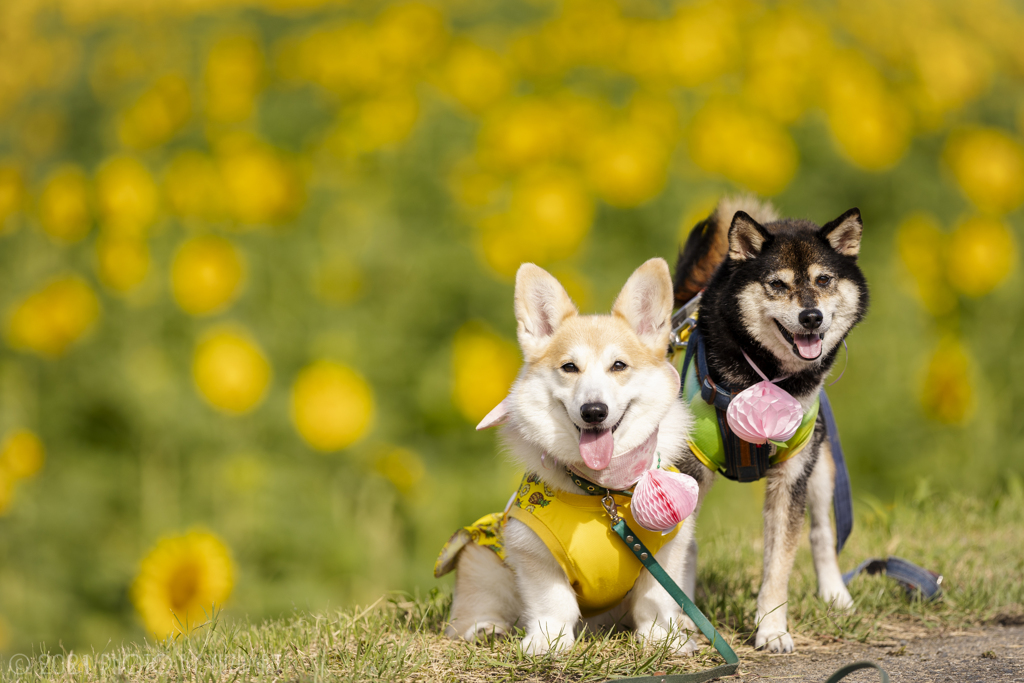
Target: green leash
{"x": 732, "y": 662}
{"x": 646, "y": 558}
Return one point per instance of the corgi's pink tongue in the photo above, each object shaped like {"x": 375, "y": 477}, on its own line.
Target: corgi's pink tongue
{"x": 809, "y": 345}
{"x": 596, "y": 447}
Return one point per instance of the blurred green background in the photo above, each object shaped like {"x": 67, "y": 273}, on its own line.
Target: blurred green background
{"x": 257, "y": 261}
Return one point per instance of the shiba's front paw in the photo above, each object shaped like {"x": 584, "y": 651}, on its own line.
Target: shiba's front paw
{"x": 773, "y": 641}
{"x": 539, "y": 643}
{"x": 837, "y": 597}
{"x": 679, "y": 641}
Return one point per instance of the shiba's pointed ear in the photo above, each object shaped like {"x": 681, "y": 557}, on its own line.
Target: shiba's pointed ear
{"x": 844, "y": 233}
{"x": 646, "y": 304}
{"x": 746, "y": 237}
{"x": 541, "y": 306}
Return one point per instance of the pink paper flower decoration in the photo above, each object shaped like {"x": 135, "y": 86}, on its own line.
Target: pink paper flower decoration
{"x": 764, "y": 412}
{"x": 661, "y": 499}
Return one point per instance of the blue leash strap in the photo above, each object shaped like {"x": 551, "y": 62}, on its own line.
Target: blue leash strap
{"x": 842, "y": 499}
{"x": 914, "y": 579}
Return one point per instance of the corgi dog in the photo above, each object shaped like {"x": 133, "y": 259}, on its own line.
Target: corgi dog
{"x": 594, "y": 391}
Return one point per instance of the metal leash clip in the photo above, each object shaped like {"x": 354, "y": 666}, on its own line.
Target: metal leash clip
{"x": 608, "y": 502}
{"x": 684, "y": 320}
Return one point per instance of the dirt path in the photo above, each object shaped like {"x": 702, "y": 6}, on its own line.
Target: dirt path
{"x": 990, "y": 655}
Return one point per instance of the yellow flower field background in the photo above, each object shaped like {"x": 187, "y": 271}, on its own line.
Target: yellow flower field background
{"x": 257, "y": 261}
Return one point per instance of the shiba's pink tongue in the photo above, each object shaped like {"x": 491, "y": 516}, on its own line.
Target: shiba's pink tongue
{"x": 596, "y": 447}
{"x": 809, "y": 345}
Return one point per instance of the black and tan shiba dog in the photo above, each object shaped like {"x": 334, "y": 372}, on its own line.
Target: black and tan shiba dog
{"x": 786, "y": 292}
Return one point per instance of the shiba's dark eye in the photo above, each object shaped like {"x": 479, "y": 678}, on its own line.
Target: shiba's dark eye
{"x": 778, "y": 285}
{"x": 618, "y": 366}
{"x": 823, "y": 280}
{"x": 570, "y": 367}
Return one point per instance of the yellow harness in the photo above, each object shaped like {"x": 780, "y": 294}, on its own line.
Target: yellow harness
{"x": 574, "y": 528}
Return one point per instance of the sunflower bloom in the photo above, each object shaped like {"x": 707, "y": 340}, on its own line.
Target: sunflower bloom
{"x": 181, "y": 580}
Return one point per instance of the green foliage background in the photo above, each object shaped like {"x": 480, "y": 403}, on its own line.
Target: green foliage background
{"x": 932, "y": 392}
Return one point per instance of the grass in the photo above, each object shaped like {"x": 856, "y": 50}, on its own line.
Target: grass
{"x": 974, "y": 543}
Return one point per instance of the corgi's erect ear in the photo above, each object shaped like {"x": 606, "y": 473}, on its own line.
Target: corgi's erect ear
{"x": 541, "y": 306}
{"x": 747, "y": 237}
{"x": 646, "y": 304}
{"x": 844, "y": 233}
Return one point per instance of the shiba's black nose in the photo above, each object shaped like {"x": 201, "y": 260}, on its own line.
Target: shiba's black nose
{"x": 594, "y": 412}
{"x": 810, "y": 318}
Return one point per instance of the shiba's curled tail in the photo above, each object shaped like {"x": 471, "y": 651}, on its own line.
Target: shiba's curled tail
{"x": 708, "y": 243}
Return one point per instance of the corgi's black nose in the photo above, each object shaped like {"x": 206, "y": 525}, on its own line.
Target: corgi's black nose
{"x": 811, "y": 318}
{"x": 594, "y": 412}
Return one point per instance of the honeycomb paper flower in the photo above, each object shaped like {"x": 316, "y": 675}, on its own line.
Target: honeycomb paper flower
{"x": 763, "y": 413}
{"x": 661, "y": 499}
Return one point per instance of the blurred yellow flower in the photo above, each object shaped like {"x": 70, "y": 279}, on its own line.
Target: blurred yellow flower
{"x": 475, "y": 76}
{"x": 521, "y": 134}
{"x": 989, "y": 167}
{"x": 743, "y": 146}
{"x": 52, "y": 318}
{"x": 230, "y": 371}
{"x": 484, "y": 366}
{"x": 410, "y": 34}
{"x": 402, "y": 467}
{"x": 157, "y": 114}
{"x": 206, "y": 275}
{"x": 786, "y": 51}
{"x": 922, "y": 247}
{"x": 344, "y": 59}
{"x": 871, "y": 126}
{"x": 381, "y": 121}
{"x": 981, "y": 254}
{"x": 261, "y": 186}
{"x": 701, "y": 42}
{"x": 550, "y": 214}
{"x": 953, "y": 69}
{"x": 6, "y": 493}
{"x": 195, "y": 187}
{"x": 181, "y": 581}
{"x": 332, "y": 405}
{"x": 123, "y": 261}
{"x": 64, "y": 206}
{"x": 233, "y": 78}
{"x": 12, "y": 191}
{"x": 628, "y": 165}
{"x": 21, "y": 454}
{"x": 126, "y": 195}
{"x": 947, "y": 394}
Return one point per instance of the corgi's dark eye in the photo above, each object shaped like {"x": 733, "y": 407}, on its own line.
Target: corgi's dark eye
{"x": 823, "y": 280}
{"x": 618, "y": 366}
{"x": 778, "y": 285}
{"x": 570, "y": 367}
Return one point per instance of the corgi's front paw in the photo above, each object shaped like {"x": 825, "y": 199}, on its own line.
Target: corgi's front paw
{"x": 773, "y": 641}
{"x": 681, "y": 639}
{"x": 541, "y": 641}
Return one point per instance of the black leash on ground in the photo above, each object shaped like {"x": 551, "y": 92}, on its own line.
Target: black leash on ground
{"x": 646, "y": 558}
